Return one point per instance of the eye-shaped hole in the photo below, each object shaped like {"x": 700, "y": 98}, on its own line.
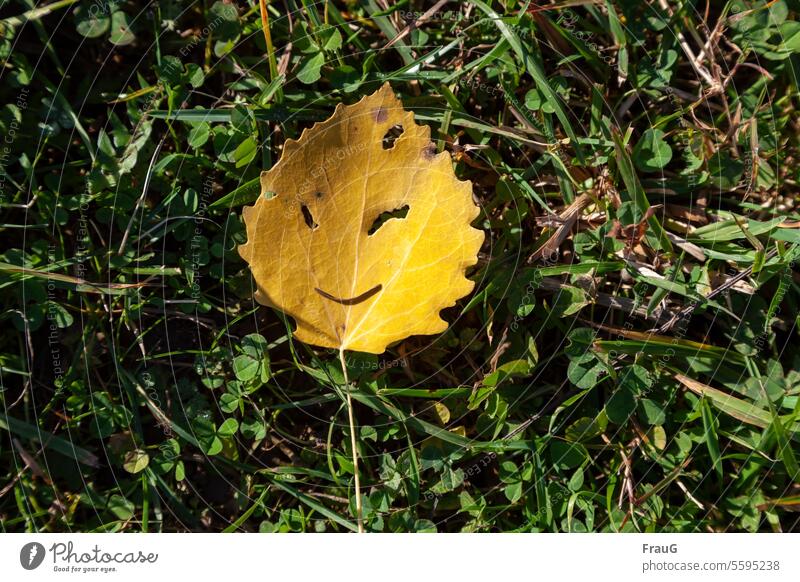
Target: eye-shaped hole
{"x": 401, "y": 212}
{"x": 308, "y": 218}
{"x": 391, "y": 136}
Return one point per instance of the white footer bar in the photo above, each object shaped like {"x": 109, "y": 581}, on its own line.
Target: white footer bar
{"x": 401, "y": 558}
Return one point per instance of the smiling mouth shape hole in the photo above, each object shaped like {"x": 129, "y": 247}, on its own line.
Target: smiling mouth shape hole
{"x": 401, "y": 212}
{"x": 353, "y": 300}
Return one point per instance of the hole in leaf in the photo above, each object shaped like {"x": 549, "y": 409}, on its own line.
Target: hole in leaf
{"x": 308, "y": 218}
{"x": 391, "y": 136}
{"x": 401, "y": 212}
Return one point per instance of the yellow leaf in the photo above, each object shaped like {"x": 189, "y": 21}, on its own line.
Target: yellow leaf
{"x": 312, "y": 244}
{"x": 442, "y": 412}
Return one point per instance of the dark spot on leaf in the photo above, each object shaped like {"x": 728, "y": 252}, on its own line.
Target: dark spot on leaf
{"x": 391, "y": 136}
{"x": 381, "y": 115}
{"x": 318, "y": 195}
{"x": 308, "y": 218}
{"x": 401, "y": 212}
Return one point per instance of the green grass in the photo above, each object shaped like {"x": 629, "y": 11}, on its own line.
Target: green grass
{"x": 628, "y": 361}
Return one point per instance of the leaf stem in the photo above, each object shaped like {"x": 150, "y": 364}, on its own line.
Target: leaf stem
{"x": 353, "y": 443}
